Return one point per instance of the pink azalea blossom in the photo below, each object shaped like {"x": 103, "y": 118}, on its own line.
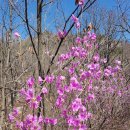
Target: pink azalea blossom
{"x": 107, "y": 72}
{"x": 74, "y": 84}
{"x": 91, "y": 97}
{"x": 61, "y": 34}
{"x": 11, "y": 117}
{"x": 89, "y": 88}
{"x": 76, "y": 105}
{"x": 60, "y": 100}
{"x": 119, "y": 93}
{"x": 96, "y": 58}
{"x": 17, "y": 35}
{"x": 64, "y": 57}
{"x": 44, "y": 90}
{"x": 75, "y": 19}
{"x": 81, "y": 2}
{"x": 60, "y": 91}
{"x": 77, "y": 25}
{"x": 40, "y": 80}
{"x": 30, "y": 82}
{"x": 16, "y": 111}
{"x": 20, "y": 125}
{"x": 66, "y": 88}
{"x": 85, "y": 75}
{"x": 93, "y": 36}
{"x": 70, "y": 121}
{"x": 52, "y": 121}
{"x": 118, "y": 62}
{"x": 78, "y": 40}
{"x": 61, "y": 78}
{"x": 83, "y": 127}
{"x": 14, "y": 114}
{"x": 104, "y": 60}
{"x": 49, "y": 79}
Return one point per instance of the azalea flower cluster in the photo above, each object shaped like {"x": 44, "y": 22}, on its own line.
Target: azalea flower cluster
{"x": 31, "y": 122}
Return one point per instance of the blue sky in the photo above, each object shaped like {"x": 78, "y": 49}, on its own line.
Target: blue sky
{"x": 67, "y": 5}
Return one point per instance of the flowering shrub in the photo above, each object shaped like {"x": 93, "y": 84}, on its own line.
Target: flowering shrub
{"x": 82, "y": 93}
